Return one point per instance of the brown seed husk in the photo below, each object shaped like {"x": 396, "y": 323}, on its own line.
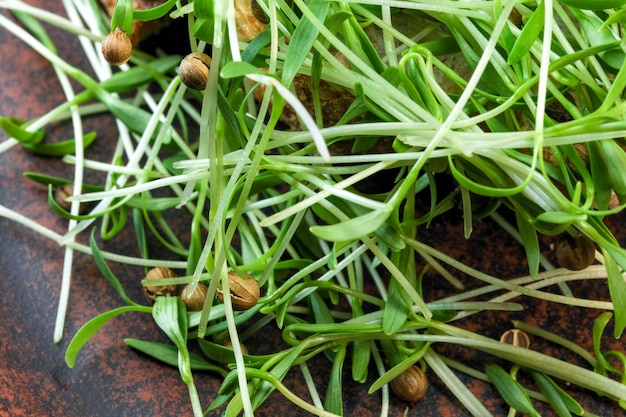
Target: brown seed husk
{"x": 410, "y": 385}
{"x": 153, "y": 291}
{"x": 117, "y": 47}
{"x": 194, "y": 70}
{"x": 575, "y": 253}
{"x": 244, "y": 291}
{"x": 195, "y": 300}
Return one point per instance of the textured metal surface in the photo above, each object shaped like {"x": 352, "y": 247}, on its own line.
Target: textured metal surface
{"x": 110, "y": 379}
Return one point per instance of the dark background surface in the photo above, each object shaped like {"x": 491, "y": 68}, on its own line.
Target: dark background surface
{"x": 110, "y": 379}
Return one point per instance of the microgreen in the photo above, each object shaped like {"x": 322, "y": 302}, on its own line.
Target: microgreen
{"x": 461, "y": 92}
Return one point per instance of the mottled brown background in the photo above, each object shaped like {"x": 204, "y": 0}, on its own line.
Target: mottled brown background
{"x": 110, "y": 379}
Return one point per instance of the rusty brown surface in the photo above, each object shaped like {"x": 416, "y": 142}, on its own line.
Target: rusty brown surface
{"x": 110, "y": 379}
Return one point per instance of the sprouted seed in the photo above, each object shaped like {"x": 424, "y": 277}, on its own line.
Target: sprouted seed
{"x": 518, "y": 105}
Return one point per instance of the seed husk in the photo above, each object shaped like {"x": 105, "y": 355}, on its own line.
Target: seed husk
{"x": 410, "y": 385}
{"x": 194, "y": 70}
{"x": 244, "y": 291}
{"x": 195, "y": 300}
{"x": 117, "y": 47}
{"x": 153, "y": 291}
{"x": 575, "y": 252}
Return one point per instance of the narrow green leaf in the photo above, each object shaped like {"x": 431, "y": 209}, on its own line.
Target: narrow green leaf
{"x": 561, "y": 401}
{"x": 139, "y": 75}
{"x": 170, "y": 315}
{"x": 396, "y": 311}
{"x": 560, "y": 217}
{"x": 154, "y": 13}
{"x": 92, "y": 326}
{"x": 354, "y": 228}
{"x": 36, "y": 28}
{"x": 302, "y": 40}
{"x": 511, "y": 390}
{"x": 66, "y": 147}
{"x": 597, "y": 34}
{"x": 168, "y": 354}
{"x": 398, "y": 369}
{"x": 236, "y": 69}
{"x": 601, "y": 365}
{"x": 140, "y": 233}
{"x": 528, "y": 36}
{"x": 530, "y": 241}
{"x": 333, "y": 401}
{"x": 361, "y": 354}
{"x": 608, "y": 163}
{"x": 123, "y": 16}
{"x": 617, "y": 289}
{"x": 13, "y": 127}
{"x": 106, "y": 271}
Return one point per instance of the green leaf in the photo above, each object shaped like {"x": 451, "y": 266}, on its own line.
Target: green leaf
{"x": 302, "y": 40}
{"x": 106, "y": 271}
{"x": 170, "y": 314}
{"x": 154, "y": 13}
{"x": 168, "y": 354}
{"x": 13, "y": 127}
{"x": 66, "y": 147}
{"x": 123, "y": 16}
{"x": 608, "y": 163}
{"x": 36, "y": 28}
{"x": 398, "y": 369}
{"x": 530, "y": 242}
{"x": 597, "y": 34}
{"x": 354, "y": 228}
{"x": 528, "y": 36}
{"x": 560, "y": 400}
{"x": 139, "y": 75}
{"x": 333, "y": 401}
{"x": 204, "y": 9}
{"x": 236, "y": 69}
{"x": 92, "y": 326}
{"x": 510, "y": 390}
{"x": 617, "y": 289}
{"x": 361, "y": 353}
{"x": 560, "y": 217}
{"x": 140, "y": 233}
{"x": 396, "y": 311}
{"x": 204, "y": 29}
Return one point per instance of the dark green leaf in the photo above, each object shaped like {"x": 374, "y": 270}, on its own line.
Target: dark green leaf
{"x": 169, "y": 354}
{"x": 530, "y": 241}
{"x": 333, "y": 401}
{"x": 91, "y": 327}
{"x": 511, "y": 390}
{"x": 560, "y": 400}
{"x": 106, "y": 271}
{"x": 123, "y": 16}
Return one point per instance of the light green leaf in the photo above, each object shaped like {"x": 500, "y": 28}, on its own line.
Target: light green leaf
{"x": 528, "y": 36}
{"x": 302, "y": 40}
{"x": 352, "y": 229}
